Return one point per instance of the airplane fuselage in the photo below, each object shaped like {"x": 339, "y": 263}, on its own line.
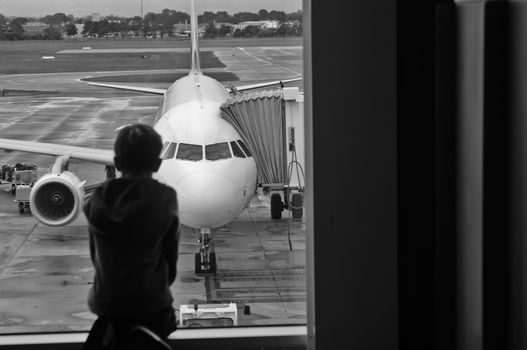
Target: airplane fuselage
{"x": 212, "y": 190}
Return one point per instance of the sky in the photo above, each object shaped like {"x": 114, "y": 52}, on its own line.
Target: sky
{"x": 129, "y": 8}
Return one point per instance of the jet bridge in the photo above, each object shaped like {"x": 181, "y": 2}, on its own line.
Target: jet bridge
{"x": 271, "y": 124}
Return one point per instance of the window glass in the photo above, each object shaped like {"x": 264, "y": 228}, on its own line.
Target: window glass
{"x": 245, "y": 149}
{"x": 46, "y": 272}
{"x": 164, "y": 148}
{"x": 189, "y": 152}
{"x": 217, "y": 151}
{"x": 236, "y": 150}
{"x": 170, "y": 151}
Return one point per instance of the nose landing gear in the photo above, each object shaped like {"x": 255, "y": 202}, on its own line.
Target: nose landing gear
{"x": 205, "y": 260}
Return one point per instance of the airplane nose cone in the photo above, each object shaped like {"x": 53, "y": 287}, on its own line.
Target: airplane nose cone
{"x": 206, "y": 187}
{"x": 206, "y": 200}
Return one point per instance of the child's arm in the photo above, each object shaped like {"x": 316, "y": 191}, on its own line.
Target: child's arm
{"x": 86, "y": 210}
{"x": 170, "y": 250}
{"x": 170, "y": 246}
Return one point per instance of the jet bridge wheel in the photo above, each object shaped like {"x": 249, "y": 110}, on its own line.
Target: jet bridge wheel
{"x": 276, "y": 206}
{"x": 297, "y": 205}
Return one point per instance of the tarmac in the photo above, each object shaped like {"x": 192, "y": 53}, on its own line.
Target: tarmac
{"x": 46, "y": 272}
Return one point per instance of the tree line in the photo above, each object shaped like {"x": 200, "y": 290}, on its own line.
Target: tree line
{"x": 217, "y": 24}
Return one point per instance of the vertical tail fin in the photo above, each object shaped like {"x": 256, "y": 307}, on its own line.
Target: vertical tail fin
{"x": 194, "y": 47}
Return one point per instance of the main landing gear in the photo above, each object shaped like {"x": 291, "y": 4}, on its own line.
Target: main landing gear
{"x": 205, "y": 260}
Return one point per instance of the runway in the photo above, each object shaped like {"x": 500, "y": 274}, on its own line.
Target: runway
{"x": 45, "y": 272}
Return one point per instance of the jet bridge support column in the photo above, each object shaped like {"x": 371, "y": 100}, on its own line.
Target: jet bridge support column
{"x": 295, "y": 154}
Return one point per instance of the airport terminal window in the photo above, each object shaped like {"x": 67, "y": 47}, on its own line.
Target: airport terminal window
{"x": 170, "y": 151}
{"x": 189, "y": 152}
{"x": 217, "y": 151}
{"x": 236, "y": 150}
{"x": 245, "y": 148}
{"x": 46, "y": 272}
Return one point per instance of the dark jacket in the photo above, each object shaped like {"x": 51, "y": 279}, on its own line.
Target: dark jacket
{"x": 134, "y": 235}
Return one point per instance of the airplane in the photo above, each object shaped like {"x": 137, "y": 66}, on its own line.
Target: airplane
{"x": 204, "y": 158}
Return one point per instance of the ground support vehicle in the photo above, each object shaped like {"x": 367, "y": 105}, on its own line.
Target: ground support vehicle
{"x": 20, "y": 174}
{"x": 21, "y": 177}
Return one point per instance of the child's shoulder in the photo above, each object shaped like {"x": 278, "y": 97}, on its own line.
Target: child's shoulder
{"x": 164, "y": 194}
{"x": 159, "y": 186}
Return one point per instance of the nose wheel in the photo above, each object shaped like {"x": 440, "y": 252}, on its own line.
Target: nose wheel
{"x": 205, "y": 260}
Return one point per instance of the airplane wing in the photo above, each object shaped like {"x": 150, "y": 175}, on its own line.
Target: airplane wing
{"x": 132, "y": 88}
{"x": 162, "y": 91}
{"x": 93, "y": 155}
{"x": 263, "y": 84}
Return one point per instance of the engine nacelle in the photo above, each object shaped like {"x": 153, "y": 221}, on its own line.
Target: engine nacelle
{"x": 56, "y": 199}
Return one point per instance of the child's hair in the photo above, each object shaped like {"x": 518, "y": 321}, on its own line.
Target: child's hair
{"x": 138, "y": 148}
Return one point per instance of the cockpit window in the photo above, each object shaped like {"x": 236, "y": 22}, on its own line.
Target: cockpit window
{"x": 217, "y": 151}
{"x": 169, "y": 150}
{"x": 236, "y": 150}
{"x": 189, "y": 152}
{"x": 165, "y": 146}
{"x": 245, "y": 149}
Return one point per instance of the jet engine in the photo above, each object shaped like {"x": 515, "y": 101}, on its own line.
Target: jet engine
{"x": 56, "y": 198}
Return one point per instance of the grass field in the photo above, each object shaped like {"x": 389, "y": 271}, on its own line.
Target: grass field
{"x": 26, "y": 56}
{"x": 17, "y": 62}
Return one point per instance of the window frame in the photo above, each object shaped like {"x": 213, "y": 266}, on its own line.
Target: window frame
{"x": 239, "y": 148}
{"x": 165, "y": 151}
{"x": 232, "y": 338}
{"x": 244, "y": 148}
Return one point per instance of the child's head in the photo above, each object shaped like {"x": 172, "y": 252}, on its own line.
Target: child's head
{"x": 137, "y": 149}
